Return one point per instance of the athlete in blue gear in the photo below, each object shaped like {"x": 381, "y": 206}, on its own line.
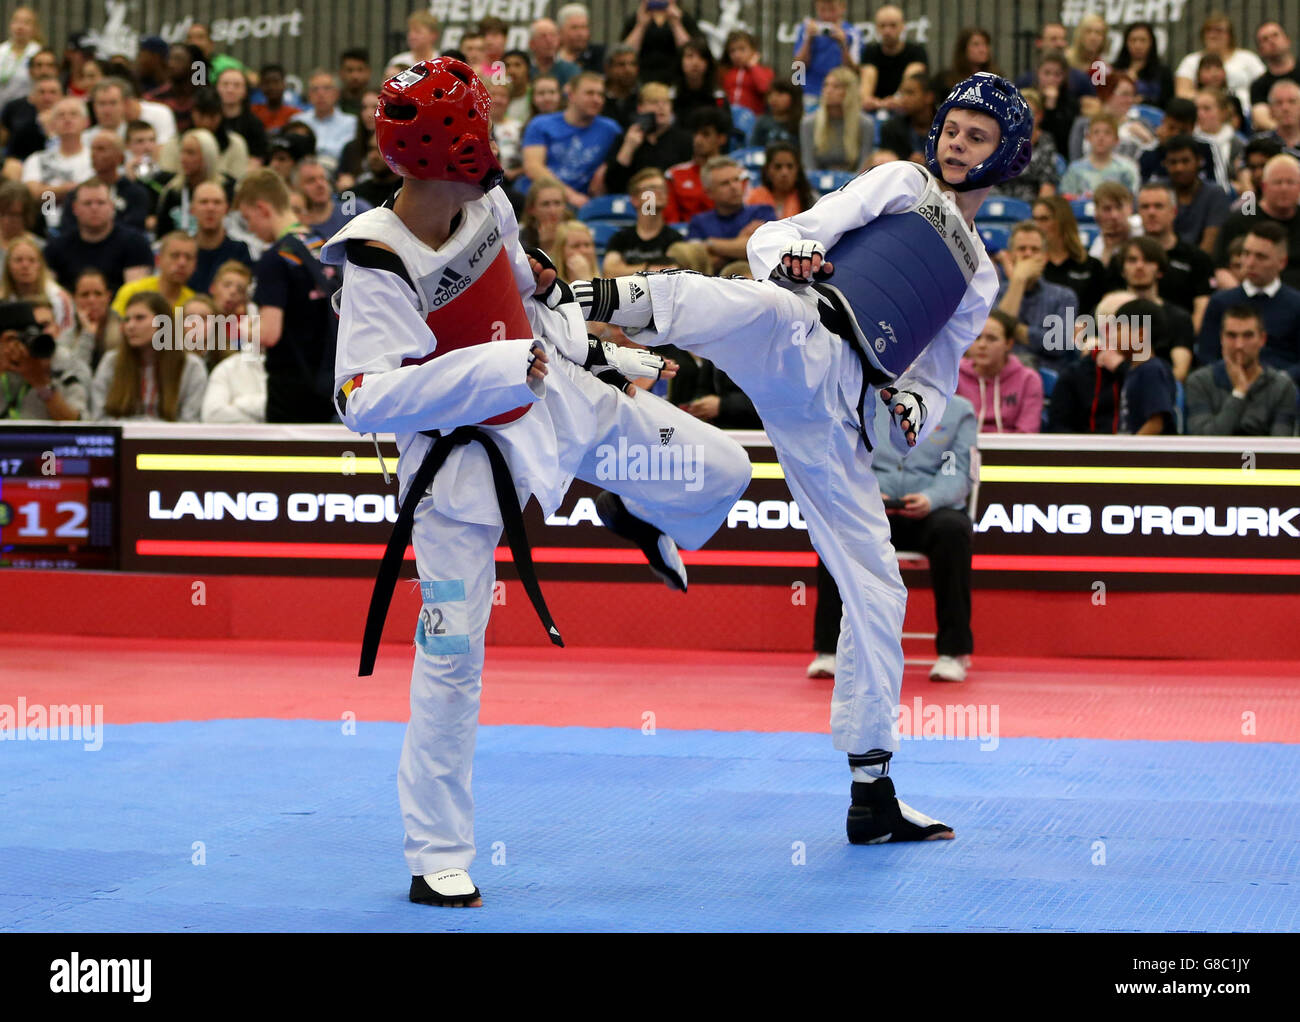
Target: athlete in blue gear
{"x": 912, "y": 287}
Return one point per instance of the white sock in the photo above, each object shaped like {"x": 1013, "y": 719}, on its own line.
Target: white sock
{"x": 868, "y": 774}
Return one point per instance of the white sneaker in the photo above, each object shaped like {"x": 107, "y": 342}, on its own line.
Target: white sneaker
{"x": 823, "y": 666}
{"x": 949, "y": 668}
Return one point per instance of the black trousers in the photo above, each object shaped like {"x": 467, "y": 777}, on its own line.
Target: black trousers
{"x": 944, "y": 536}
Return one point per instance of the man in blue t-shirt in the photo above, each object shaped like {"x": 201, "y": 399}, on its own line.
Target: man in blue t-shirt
{"x": 572, "y": 145}
{"x": 823, "y": 43}
{"x": 725, "y": 229}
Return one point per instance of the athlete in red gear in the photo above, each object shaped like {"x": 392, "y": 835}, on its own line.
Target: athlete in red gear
{"x": 446, "y": 340}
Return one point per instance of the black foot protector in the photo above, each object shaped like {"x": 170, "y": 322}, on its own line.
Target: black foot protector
{"x": 877, "y": 817}
{"x": 660, "y": 551}
{"x": 449, "y": 888}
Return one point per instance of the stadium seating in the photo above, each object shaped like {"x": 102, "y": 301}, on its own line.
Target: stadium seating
{"x": 616, "y": 208}
{"x": 742, "y": 123}
{"x": 1049, "y": 378}
{"x": 824, "y": 181}
{"x": 996, "y": 237}
{"x": 751, "y": 157}
{"x": 1084, "y": 210}
{"x": 603, "y": 230}
{"x": 1152, "y": 115}
{"x": 1012, "y": 210}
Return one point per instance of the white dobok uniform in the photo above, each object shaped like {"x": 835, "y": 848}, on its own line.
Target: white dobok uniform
{"x": 453, "y": 351}
{"x": 882, "y": 231}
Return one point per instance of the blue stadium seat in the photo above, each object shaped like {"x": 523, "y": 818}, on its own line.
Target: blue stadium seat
{"x": 1088, "y": 233}
{"x": 603, "y": 230}
{"x": 1061, "y": 165}
{"x": 617, "y": 208}
{"x": 1085, "y": 210}
{"x": 824, "y": 181}
{"x": 1152, "y": 115}
{"x": 750, "y": 157}
{"x": 1180, "y": 407}
{"x": 1006, "y": 209}
{"x": 879, "y": 122}
{"x": 996, "y": 237}
{"x": 1049, "y": 378}
{"x": 755, "y": 177}
{"x": 742, "y": 123}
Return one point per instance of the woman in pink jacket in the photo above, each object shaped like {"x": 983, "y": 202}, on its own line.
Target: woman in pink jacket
{"x": 1007, "y": 395}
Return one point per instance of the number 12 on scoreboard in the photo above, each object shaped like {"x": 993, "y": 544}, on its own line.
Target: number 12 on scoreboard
{"x": 44, "y": 512}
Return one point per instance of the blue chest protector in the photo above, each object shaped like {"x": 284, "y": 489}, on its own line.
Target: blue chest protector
{"x": 899, "y": 279}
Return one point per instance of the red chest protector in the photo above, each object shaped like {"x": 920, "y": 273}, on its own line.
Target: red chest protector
{"x": 474, "y": 299}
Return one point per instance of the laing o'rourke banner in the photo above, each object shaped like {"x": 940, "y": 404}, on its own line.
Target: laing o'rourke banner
{"x": 1183, "y": 514}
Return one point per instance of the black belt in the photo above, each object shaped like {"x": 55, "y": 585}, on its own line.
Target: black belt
{"x": 512, "y": 518}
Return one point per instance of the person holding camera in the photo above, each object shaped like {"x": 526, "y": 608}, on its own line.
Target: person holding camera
{"x": 655, "y": 31}
{"x": 37, "y": 381}
{"x": 824, "y": 42}
{"x": 653, "y": 140}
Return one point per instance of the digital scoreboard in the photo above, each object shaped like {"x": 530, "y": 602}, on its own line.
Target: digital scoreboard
{"x": 58, "y": 496}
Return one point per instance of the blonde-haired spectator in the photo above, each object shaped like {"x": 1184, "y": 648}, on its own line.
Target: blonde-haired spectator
{"x": 26, "y": 276}
{"x": 198, "y": 157}
{"x": 149, "y": 376}
{"x": 422, "y": 33}
{"x": 1085, "y": 56}
{"x": 545, "y": 209}
{"x": 839, "y": 135}
{"x": 1214, "y": 125}
{"x": 575, "y": 252}
{"x": 692, "y": 255}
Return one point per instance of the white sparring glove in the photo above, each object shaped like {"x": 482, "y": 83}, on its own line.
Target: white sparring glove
{"x": 619, "y": 366}
{"x": 906, "y": 415}
{"x": 795, "y": 264}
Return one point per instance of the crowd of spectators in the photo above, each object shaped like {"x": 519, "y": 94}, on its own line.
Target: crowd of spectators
{"x": 1145, "y": 256}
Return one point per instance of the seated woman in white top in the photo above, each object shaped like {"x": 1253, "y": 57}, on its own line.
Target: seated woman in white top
{"x": 150, "y": 376}
{"x": 1243, "y": 66}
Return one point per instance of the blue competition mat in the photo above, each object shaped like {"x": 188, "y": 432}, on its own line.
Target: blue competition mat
{"x": 240, "y": 825}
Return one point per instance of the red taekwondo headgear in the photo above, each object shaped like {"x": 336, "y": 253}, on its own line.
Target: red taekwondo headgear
{"x": 433, "y": 123}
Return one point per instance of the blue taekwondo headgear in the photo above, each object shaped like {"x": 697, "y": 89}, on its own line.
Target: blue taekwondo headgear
{"x": 993, "y": 95}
